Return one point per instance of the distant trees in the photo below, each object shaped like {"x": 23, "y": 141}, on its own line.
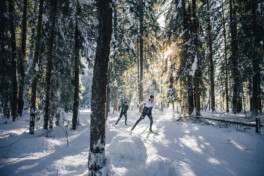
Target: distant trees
{"x": 194, "y": 54}
{"x": 220, "y": 34}
{"x": 41, "y": 72}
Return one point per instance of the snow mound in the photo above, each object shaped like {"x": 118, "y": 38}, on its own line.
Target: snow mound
{"x": 125, "y": 149}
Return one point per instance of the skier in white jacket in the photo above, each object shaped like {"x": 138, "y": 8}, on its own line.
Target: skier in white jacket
{"x": 148, "y": 105}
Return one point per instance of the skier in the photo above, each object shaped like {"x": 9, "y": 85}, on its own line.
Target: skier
{"x": 148, "y": 105}
{"x": 123, "y": 112}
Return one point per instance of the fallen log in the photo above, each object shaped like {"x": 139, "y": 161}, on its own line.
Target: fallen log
{"x": 233, "y": 122}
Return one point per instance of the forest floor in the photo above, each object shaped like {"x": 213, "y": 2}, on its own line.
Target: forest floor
{"x": 179, "y": 148}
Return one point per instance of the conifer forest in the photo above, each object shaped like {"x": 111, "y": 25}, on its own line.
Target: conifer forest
{"x": 131, "y": 87}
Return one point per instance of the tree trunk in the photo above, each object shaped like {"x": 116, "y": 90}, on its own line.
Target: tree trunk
{"x": 49, "y": 63}
{"x": 35, "y": 72}
{"x": 141, "y": 53}
{"x": 5, "y": 59}
{"x": 226, "y": 63}
{"x": 114, "y": 63}
{"x": 108, "y": 94}
{"x": 99, "y": 87}
{"x": 256, "y": 69}
{"x": 30, "y": 57}
{"x": 210, "y": 57}
{"x": 22, "y": 61}
{"x": 185, "y": 56}
{"x": 115, "y": 99}
{"x": 236, "y": 101}
{"x": 76, "y": 68}
{"x": 13, "y": 58}
{"x": 250, "y": 95}
{"x": 197, "y": 72}
{"x": 190, "y": 94}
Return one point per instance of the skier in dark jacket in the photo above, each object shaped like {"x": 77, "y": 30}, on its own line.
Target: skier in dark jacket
{"x": 124, "y": 109}
{"x": 148, "y": 105}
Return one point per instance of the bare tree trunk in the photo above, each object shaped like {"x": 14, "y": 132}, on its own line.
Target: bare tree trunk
{"x": 141, "y": 53}
{"x": 76, "y": 67}
{"x": 99, "y": 87}
{"x": 14, "y": 60}
{"x": 49, "y": 64}
{"x": 22, "y": 61}
{"x": 210, "y": 57}
{"x": 34, "y": 71}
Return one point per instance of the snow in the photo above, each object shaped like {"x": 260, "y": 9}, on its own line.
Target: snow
{"x": 36, "y": 67}
{"x": 161, "y": 21}
{"x": 194, "y": 66}
{"x": 179, "y": 148}
{"x": 179, "y": 4}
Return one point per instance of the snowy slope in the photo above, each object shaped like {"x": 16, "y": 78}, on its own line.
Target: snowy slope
{"x": 180, "y": 148}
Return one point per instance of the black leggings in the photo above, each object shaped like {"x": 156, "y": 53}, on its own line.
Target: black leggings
{"x": 142, "y": 116}
{"x": 121, "y": 114}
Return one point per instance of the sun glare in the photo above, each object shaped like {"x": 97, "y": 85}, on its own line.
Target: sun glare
{"x": 167, "y": 53}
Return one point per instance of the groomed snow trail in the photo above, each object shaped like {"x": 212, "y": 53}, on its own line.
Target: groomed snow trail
{"x": 183, "y": 148}
{"x": 179, "y": 149}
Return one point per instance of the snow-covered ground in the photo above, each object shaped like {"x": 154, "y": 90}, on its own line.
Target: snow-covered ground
{"x": 179, "y": 148}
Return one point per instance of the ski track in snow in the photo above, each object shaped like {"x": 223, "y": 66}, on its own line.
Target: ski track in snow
{"x": 179, "y": 148}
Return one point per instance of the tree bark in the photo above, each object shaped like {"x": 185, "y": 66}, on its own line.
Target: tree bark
{"x": 34, "y": 71}
{"x": 210, "y": 57}
{"x": 226, "y": 63}
{"x": 22, "y": 61}
{"x": 197, "y": 72}
{"x": 190, "y": 94}
{"x": 99, "y": 88}
{"x": 49, "y": 63}
{"x": 76, "y": 68}
{"x": 5, "y": 59}
{"x": 30, "y": 57}
{"x": 115, "y": 99}
{"x": 236, "y": 101}
{"x": 141, "y": 52}
{"x": 256, "y": 72}
{"x": 14, "y": 60}
{"x": 108, "y": 94}
{"x": 185, "y": 56}
{"x": 250, "y": 95}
